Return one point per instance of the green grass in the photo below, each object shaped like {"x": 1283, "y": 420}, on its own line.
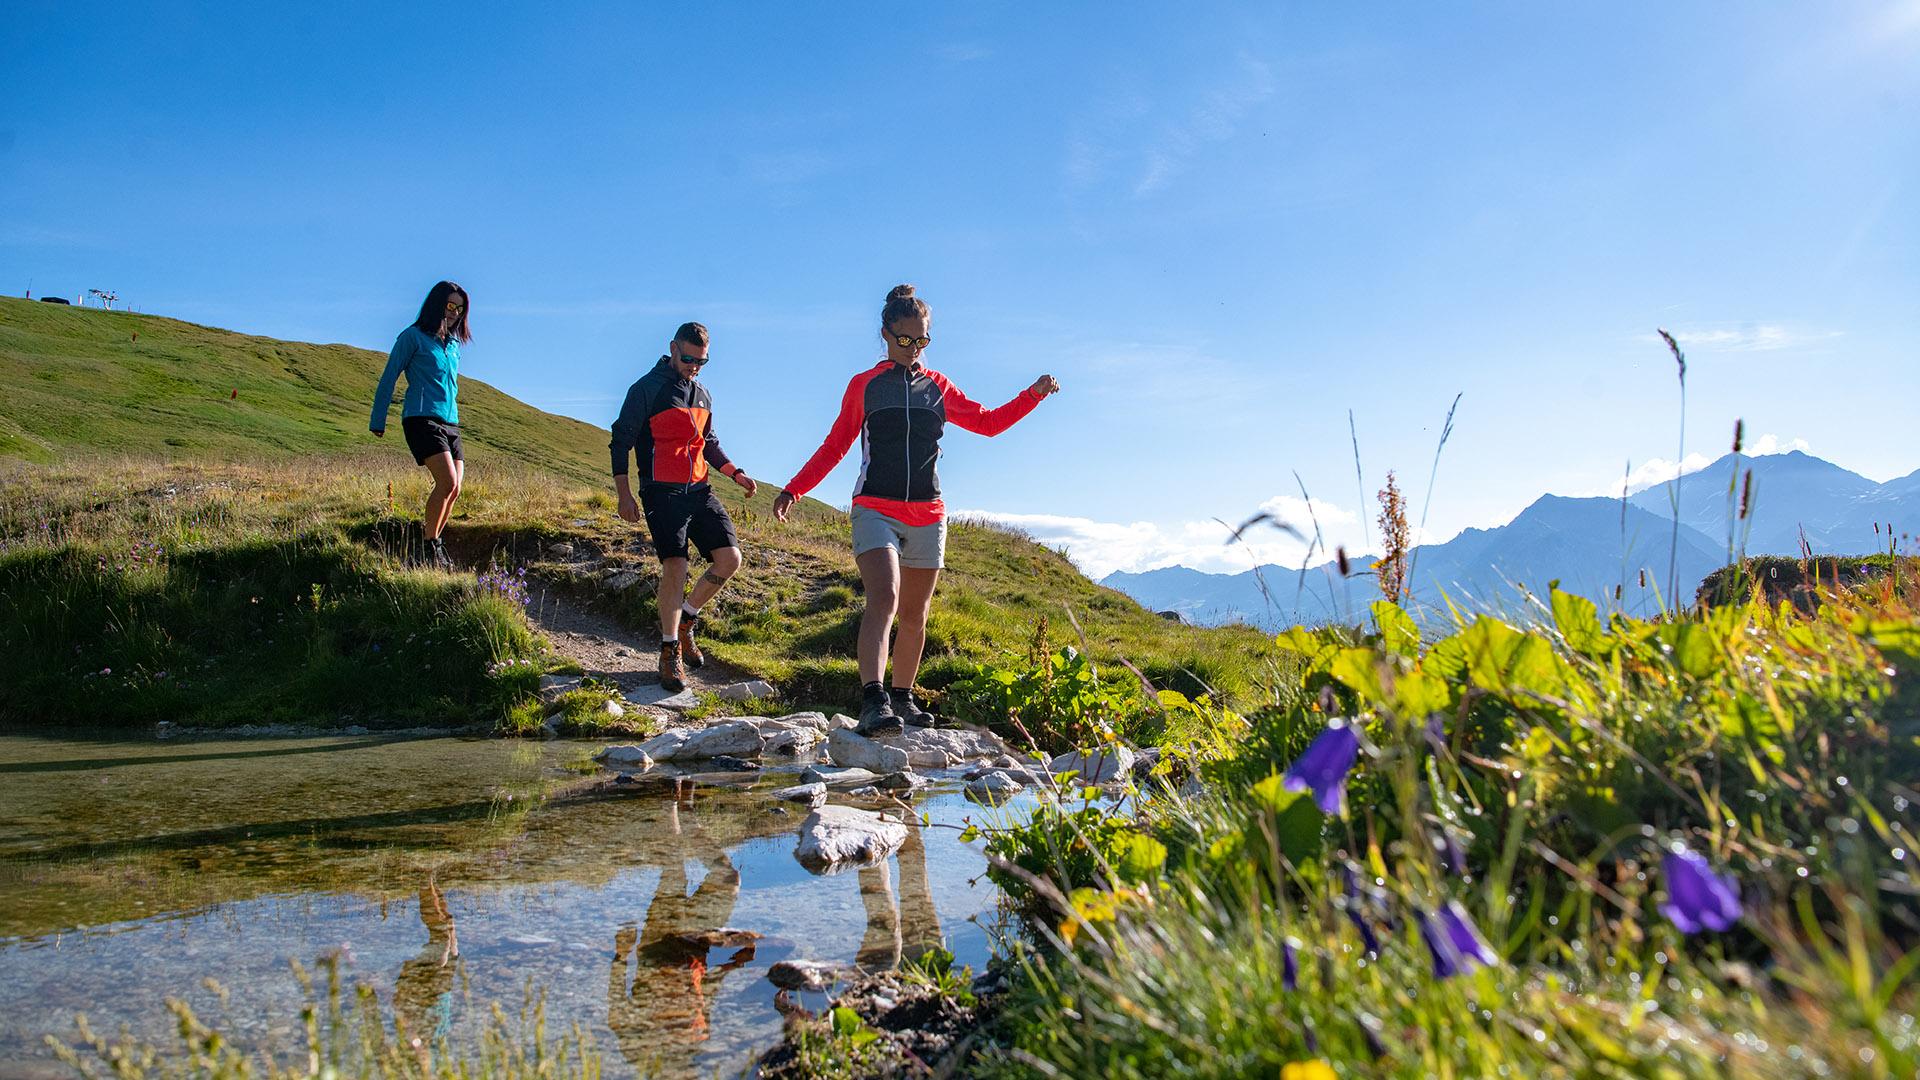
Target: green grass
{"x": 76, "y": 382}
{"x": 111, "y": 446}
{"x": 345, "y": 1038}
{"x": 1778, "y": 743}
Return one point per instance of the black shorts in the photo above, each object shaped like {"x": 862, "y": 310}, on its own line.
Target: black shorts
{"x": 675, "y": 516}
{"x": 430, "y": 435}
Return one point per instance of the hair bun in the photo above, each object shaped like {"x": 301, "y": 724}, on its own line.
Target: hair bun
{"x": 900, "y": 292}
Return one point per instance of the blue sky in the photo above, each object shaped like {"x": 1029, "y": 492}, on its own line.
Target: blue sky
{"x": 1222, "y": 227}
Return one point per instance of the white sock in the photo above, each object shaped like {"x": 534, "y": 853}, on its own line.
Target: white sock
{"x": 689, "y": 609}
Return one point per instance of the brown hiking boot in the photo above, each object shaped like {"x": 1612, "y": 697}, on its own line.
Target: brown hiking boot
{"x": 689, "y": 651}
{"x": 672, "y": 679}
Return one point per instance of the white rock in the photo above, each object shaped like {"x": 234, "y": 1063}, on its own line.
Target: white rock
{"x": 615, "y": 709}
{"x": 955, "y": 744}
{"x": 817, "y": 721}
{"x": 738, "y": 738}
{"x": 928, "y": 759}
{"x": 626, "y": 754}
{"x": 745, "y": 691}
{"x": 994, "y": 788}
{"x": 839, "y": 778}
{"x": 833, "y": 836}
{"x": 842, "y": 720}
{"x": 1099, "y": 767}
{"x": 660, "y": 697}
{"x": 795, "y": 742}
{"x": 664, "y": 746}
{"x": 621, "y": 580}
{"x": 812, "y": 794}
{"x": 552, "y": 686}
{"x": 811, "y": 975}
{"x": 859, "y": 752}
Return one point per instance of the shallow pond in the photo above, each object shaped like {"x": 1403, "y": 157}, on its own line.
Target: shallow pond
{"x": 446, "y": 874}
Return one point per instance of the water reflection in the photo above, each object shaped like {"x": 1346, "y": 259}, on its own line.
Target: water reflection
{"x": 908, "y": 928}
{"x": 423, "y": 993}
{"x": 164, "y": 867}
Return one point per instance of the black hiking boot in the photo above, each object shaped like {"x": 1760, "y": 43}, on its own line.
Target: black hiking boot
{"x": 689, "y": 651}
{"x": 672, "y": 679}
{"x": 876, "y": 715}
{"x": 909, "y": 710}
{"x": 437, "y": 555}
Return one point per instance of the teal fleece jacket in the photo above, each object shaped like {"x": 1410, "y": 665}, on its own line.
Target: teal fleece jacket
{"x": 433, "y": 378}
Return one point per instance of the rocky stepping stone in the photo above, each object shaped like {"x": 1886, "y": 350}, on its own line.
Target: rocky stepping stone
{"x": 855, "y": 751}
{"x": 833, "y": 837}
{"x": 812, "y": 794}
{"x": 994, "y": 788}
{"x": 809, "y": 975}
{"x": 1096, "y": 767}
{"x": 838, "y": 778}
{"x": 725, "y": 937}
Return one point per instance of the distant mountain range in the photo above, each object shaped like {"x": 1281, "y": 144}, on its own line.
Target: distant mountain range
{"x": 1591, "y": 546}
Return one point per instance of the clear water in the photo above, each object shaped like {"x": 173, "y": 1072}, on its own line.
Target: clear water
{"x": 444, "y": 873}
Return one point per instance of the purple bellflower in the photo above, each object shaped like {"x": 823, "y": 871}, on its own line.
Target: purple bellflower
{"x": 1697, "y": 898}
{"x": 1324, "y": 766}
{"x": 1455, "y": 943}
{"x": 1289, "y": 965}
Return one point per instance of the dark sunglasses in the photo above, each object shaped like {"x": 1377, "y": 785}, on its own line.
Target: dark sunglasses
{"x": 906, "y": 342}
{"x": 694, "y": 360}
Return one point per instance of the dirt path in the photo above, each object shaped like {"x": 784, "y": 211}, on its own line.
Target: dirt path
{"x": 606, "y": 650}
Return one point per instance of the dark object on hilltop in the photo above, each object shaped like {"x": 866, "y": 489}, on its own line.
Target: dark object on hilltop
{"x": 1172, "y": 616}
{"x": 56, "y": 300}
{"x": 1801, "y": 582}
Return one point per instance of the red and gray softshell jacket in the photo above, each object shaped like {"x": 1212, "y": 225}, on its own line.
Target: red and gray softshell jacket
{"x": 899, "y": 414}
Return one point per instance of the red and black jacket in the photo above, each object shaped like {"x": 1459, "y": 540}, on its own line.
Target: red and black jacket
{"x": 667, "y": 421}
{"x": 899, "y": 414}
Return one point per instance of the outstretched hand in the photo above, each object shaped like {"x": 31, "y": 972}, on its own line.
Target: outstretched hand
{"x": 783, "y": 503}
{"x": 746, "y": 482}
{"x": 1044, "y": 386}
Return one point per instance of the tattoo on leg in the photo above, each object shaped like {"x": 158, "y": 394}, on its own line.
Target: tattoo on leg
{"x": 712, "y": 578}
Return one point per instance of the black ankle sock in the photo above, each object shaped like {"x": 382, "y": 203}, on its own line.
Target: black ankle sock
{"x": 872, "y": 688}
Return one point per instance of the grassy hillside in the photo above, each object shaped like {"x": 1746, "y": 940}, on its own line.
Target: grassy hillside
{"x": 152, "y": 523}
{"x": 84, "y": 381}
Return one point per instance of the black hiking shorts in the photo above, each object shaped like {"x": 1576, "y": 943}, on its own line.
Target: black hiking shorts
{"x": 430, "y": 435}
{"x": 675, "y": 517}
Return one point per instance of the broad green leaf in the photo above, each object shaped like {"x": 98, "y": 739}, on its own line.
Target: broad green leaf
{"x": 1397, "y": 630}
{"x": 1447, "y": 658}
{"x": 1138, "y": 857}
{"x": 1579, "y": 621}
{"x": 1695, "y": 652}
{"x": 1417, "y": 695}
{"x": 1359, "y": 671}
{"x": 1293, "y": 816}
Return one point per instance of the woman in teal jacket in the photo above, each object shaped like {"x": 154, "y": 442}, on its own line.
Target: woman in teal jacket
{"x": 429, "y": 353}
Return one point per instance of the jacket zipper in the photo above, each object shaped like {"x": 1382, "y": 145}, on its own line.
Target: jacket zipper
{"x": 906, "y": 388}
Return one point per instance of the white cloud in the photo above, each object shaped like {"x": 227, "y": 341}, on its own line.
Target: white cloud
{"x": 1099, "y": 548}
{"x": 1748, "y": 337}
{"x": 1213, "y": 120}
{"x": 1771, "y": 444}
{"x": 1656, "y": 471}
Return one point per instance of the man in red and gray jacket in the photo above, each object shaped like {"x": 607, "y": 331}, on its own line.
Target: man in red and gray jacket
{"x": 667, "y": 424}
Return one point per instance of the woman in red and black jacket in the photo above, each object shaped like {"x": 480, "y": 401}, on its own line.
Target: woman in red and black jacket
{"x": 898, "y": 409}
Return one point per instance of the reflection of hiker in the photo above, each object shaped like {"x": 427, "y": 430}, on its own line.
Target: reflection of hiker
{"x": 899, "y": 408}
{"x": 667, "y": 421}
{"x": 429, "y": 353}
{"x": 908, "y": 930}
{"x": 423, "y": 993}
{"x": 672, "y": 989}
